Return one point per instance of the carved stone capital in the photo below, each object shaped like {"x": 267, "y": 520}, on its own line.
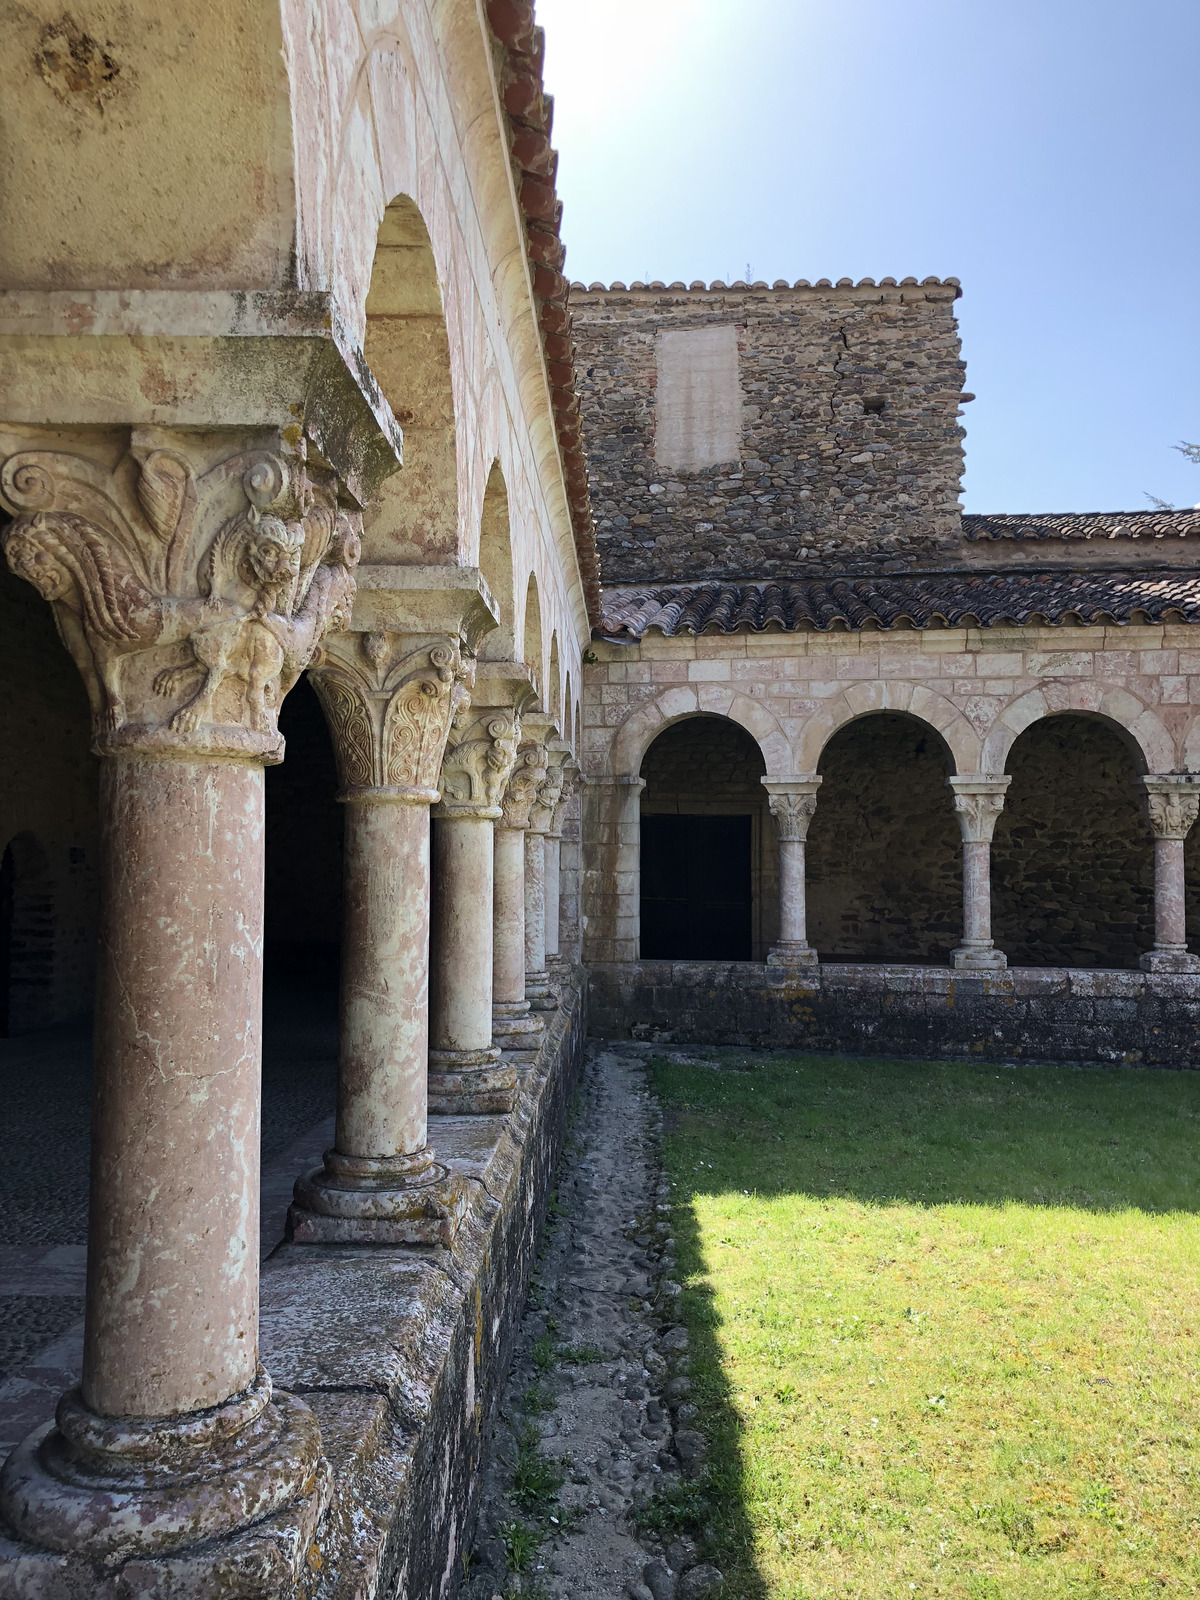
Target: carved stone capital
{"x": 191, "y": 582}
{"x": 978, "y": 802}
{"x": 793, "y": 802}
{"x": 570, "y": 788}
{"x": 390, "y": 703}
{"x": 480, "y": 756}
{"x": 541, "y": 818}
{"x": 1172, "y": 803}
{"x": 524, "y": 783}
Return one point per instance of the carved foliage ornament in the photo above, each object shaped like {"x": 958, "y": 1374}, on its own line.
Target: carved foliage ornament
{"x": 480, "y": 757}
{"x": 549, "y": 793}
{"x": 1173, "y": 810}
{"x": 390, "y": 708}
{"x": 527, "y": 778}
{"x": 190, "y": 593}
{"x": 792, "y": 812}
{"x": 570, "y": 788}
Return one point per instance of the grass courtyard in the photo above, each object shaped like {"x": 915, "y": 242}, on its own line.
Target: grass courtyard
{"x": 945, "y": 1325}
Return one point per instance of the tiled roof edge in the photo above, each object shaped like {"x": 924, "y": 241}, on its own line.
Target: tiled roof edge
{"x": 741, "y": 287}
{"x": 979, "y": 527}
{"x": 529, "y": 114}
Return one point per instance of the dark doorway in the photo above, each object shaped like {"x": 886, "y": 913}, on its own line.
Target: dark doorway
{"x": 696, "y": 891}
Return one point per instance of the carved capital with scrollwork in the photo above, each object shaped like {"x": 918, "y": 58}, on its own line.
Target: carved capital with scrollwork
{"x": 567, "y": 792}
{"x": 191, "y": 581}
{"x": 390, "y": 703}
{"x": 1173, "y": 803}
{"x": 481, "y": 753}
{"x": 541, "y": 817}
{"x": 978, "y": 802}
{"x": 793, "y": 802}
{"x": 524, "y": 783}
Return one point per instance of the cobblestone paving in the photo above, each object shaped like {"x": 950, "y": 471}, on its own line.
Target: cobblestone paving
{"x": 594, "y": 1418}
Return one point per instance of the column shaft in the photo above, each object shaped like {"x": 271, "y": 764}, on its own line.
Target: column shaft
{"x": 508, "y": 951}
{"x": 172, "y": 1306}
{"x": 978, "y": 802}
{"x": 462, "y": 935}
{"x": 977, "y": 891}
{"x": 1170, "y": 907}
{"x": 553, "y": 848}
{"x": 537, "y": 982}
{"x": 382, "y": 1059}
{"x": 792, "y": 919}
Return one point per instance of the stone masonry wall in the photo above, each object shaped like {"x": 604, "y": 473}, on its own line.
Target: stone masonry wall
{"x": 1072, "y": 856}
{"x": 884, "y": 857}
{"x": 851, "y": 450}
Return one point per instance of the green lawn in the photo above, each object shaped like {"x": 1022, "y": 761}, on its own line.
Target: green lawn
{"x": 945, "y": 1325}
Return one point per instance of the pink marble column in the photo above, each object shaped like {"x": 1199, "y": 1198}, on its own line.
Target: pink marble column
{"x": 793, "y": 802}
{"x": 1172, "y": 803}
{"x": 389, "y": 702}
{"x": 466, "y": 1074}
{"x": 514, "y": 1028}
{"x": 978, "y": 802}
{"x": 174, "y": 1442}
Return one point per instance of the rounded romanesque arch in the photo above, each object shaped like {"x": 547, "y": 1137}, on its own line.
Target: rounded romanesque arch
{"x": 1136, "y": 723}
{"x": 635, "y": 735}
{"x": 913, "y": 700}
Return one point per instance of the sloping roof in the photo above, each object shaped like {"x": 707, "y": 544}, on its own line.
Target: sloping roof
{"x": 698, "y": 285}
{"x": 1084, "y": 525}
{"x": 939, "y": 600}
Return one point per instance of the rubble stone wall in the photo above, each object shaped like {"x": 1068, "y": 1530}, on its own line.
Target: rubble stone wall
{"x": 1025, "y": 1014}
{"x": 851, "y": 450}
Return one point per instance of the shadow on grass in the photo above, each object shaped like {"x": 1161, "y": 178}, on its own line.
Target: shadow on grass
{"x": 893, "y": 1132}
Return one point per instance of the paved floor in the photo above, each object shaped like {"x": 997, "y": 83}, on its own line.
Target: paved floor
{"x": 45, "y": 1084}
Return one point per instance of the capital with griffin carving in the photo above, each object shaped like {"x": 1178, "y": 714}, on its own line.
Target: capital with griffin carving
{"x": 481, "y": 753}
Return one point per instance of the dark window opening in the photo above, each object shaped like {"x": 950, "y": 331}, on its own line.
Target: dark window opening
{"x": 696, "y": 888}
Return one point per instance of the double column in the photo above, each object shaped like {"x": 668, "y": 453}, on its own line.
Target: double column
{"x": 1172, "y": 803}
{"x": 978, "y": 802}
{"x": 515, "y": 1027}
{"x": 191, "y": 584}
{"x": 389, "y": 700}
{"x": 541, "y": 901}
{"x": 553, "y": 847}
{"x": 792, "y": 802}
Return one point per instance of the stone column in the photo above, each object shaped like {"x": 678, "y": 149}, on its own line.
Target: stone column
{"x": 554, "y": 839}
{"x": 792, "y": 802}
{"x": 465, "y": 1071}
{"x": 191, "y": 584}
{"x": 538, "y": 990}
{"x": 389, "y": 702}
{"x": 978, "y": 802}
{"x": 1172, "y": 800}
{"x": 514, "y": 1029}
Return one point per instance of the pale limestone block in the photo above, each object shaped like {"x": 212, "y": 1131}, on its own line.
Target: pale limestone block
{"x": 999, "y": 665}
{"x": 1189, "y": 661}
{"x": 1117, "y": 664}
{"x": 1000, "y": 687}
{"x": 720, "y": 646}
{"x": 775, "y": 644}
{"x": 800, "y": 711}
{"x": 614, "y": 716}
{"x": 823, "y": 689}
{"x": 907, "y": 666}
{"x": 638, "y": 672}
{"x": 668, "y": 671}
{"x": 613, "y": 694}
{"x": 709, "y": 671}
{"x": 1154, "y": 739}
{"x": 1074, "y": 696}
{"x": 714, "y": 698}
{"x": 679, "y": 702}
{"x": 863, "y": 666}
{"x": 1154, "y": 663}
{"x": 661, "y": 647}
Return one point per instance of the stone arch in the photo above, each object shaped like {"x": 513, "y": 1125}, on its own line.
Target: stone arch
{"x": 496, "y": 565}
{"x": 554, "y": 703}
{"x": 532, "y": 646}
{"x": 647, "y": 721}
{"x": 568, "y": 714}
{"x": 414, "y": 516}
{"x": 26, "y": 936}
{"x": 910, "y": 699}
{"x": 1141, "y": 728}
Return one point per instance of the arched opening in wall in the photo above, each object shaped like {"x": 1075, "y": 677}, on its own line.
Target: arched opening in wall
{"x": 1073, "y": 855}
{"x": 709, "y": 858}
{"x": 554, "y": 704}
{"x": 884, "y": 855}
{"x": 303, "y": 906}
{"x": 568, "y": 719}
{"x": 531, "y": 649}
{"x": 496, "y": 565}
{"x": 414, "y": 516}
{"x": 26, "y": 938}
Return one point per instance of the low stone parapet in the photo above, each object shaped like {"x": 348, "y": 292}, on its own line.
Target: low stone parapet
{"x": 1023, "y": 1013}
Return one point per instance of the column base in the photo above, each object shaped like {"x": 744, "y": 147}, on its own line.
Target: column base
{"x": 1171, "y": 958}
{"x": 471, "y": 1083}
{"x": 792, "y": 953}
{"x": 978, "y": 958}
{"x": 518, "y": 1034}
{"x": 218, "y": 1502}
{"x": 540, "y": 992}
{"x": 359, "y": 1200}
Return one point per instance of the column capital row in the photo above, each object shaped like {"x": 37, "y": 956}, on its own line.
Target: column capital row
{"x": 1172, "y": 803}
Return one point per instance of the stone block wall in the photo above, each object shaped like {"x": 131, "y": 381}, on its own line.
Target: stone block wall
{"x": 850, "y": 449}
{"x": 1026, "y": 1014}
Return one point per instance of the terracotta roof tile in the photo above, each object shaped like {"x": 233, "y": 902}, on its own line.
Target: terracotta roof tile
{"x": 1084, "y": 525}
{"x": 938, "y": 600}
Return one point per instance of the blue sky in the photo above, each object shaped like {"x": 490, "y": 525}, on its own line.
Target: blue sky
{"x": 1046, "y": 152}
